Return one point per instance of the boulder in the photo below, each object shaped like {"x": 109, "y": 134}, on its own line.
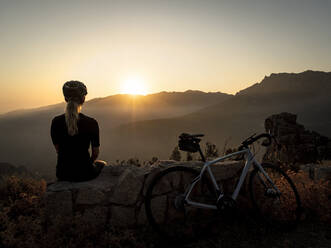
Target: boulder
{"x": 297, "y": 145}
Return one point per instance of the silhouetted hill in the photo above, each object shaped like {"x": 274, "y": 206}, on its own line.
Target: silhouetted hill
{"x": 292, "y": 83}
{"x": 25, "y": 135}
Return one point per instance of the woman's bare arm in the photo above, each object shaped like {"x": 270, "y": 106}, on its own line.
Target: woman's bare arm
{"x": 95, "y": 153}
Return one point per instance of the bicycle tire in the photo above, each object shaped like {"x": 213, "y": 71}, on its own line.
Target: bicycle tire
{"x": 170, "y": 227}
{"x": 282, "y": 211}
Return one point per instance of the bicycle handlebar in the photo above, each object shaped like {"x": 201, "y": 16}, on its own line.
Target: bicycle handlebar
{"x": 254, "y": 138}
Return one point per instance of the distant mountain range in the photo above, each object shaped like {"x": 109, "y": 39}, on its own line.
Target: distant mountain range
{"x": 146, "y": 126}
{"x": 25, "y": 134}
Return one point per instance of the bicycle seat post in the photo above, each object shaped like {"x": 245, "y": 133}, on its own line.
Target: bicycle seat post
{"x": 201, "y": 154}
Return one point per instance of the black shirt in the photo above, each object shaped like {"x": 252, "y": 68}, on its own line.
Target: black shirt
{"x": 73, "y": 160}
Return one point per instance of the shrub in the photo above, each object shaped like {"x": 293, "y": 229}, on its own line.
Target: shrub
{"x": 189, "y": 156}
{"x": 21, "y": 211}
{"x": 175, "y": 155}
{"x": 211, "y": 150}
{"x": 134, "y": 161}
{"x": 13, "y": 188}
{"x": 315, "y": 196}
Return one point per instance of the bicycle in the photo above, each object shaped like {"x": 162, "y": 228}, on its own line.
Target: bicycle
{"x": 181, "y": 201}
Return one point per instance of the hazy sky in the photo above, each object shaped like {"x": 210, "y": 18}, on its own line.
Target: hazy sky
{"x": 170, "y": 45}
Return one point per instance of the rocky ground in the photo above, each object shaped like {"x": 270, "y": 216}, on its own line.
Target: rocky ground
{"x": 248, "y": 235}
{"x": 306, "y": 235}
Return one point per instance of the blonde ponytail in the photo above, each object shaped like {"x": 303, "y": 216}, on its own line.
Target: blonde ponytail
{"x": 71, "y": 116}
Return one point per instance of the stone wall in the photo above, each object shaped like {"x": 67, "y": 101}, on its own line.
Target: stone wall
{"x": 116, "y": 197}
{"x": 297, "y": 145}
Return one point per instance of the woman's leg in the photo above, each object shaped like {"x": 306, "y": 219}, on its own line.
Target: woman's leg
{"x": 93, "y": 171}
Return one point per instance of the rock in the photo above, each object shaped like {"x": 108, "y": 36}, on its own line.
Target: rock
{"x": 122, "y": 216}
{"x": 90, "y": 197}
{"x": 59, "y": 186}
{"x": 58, "y": 203}
{"x": 127, "y": 189}
{"x": 165, "y": 163}
{"x": 158, "y": 208}
{"x": 320, "y": 171}
{"x": 141, "y": 216}
{"x": 308, "y": 169}
{"x": 297, "y": 145}
{"x": 227, "y": 169}
{"x": 323, "y": 173}
{"x": 150, "y": 177}
{"x": 105, "y": 182}
{"x": 97, "y": 216}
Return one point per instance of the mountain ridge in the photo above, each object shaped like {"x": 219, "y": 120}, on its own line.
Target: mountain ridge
{"x": 106, "y": 98}
{"x": 286, "y": 79}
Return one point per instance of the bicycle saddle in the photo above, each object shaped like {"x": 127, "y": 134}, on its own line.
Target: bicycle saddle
{"x": 189, "y": 142}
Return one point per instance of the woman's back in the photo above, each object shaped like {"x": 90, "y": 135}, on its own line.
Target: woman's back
{"x": 74, "y": 161}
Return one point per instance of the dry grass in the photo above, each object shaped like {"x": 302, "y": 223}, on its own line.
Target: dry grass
{"x": 315, "y": 196}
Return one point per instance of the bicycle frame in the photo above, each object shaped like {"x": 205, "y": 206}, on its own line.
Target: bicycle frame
{"x": 250, "y": 159}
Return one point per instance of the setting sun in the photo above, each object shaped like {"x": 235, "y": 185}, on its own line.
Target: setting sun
{"x": 134, "y": 86}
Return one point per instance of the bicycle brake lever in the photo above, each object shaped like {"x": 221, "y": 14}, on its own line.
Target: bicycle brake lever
{"x": 251, "y": 136}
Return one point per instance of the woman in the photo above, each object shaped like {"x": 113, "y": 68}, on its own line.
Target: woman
{"x": 72, "y": 134}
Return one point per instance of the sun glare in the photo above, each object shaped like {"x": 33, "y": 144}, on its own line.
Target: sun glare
{"x": 134, "y": 86}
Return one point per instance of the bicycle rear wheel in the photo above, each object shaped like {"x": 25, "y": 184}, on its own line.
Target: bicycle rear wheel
{"x": 166, "y": 209}
{"x": 282, "y": 210}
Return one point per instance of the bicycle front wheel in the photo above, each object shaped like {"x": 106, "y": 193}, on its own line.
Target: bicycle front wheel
{"x": 166, "y": 209}
{"x": 278, "y": 209}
